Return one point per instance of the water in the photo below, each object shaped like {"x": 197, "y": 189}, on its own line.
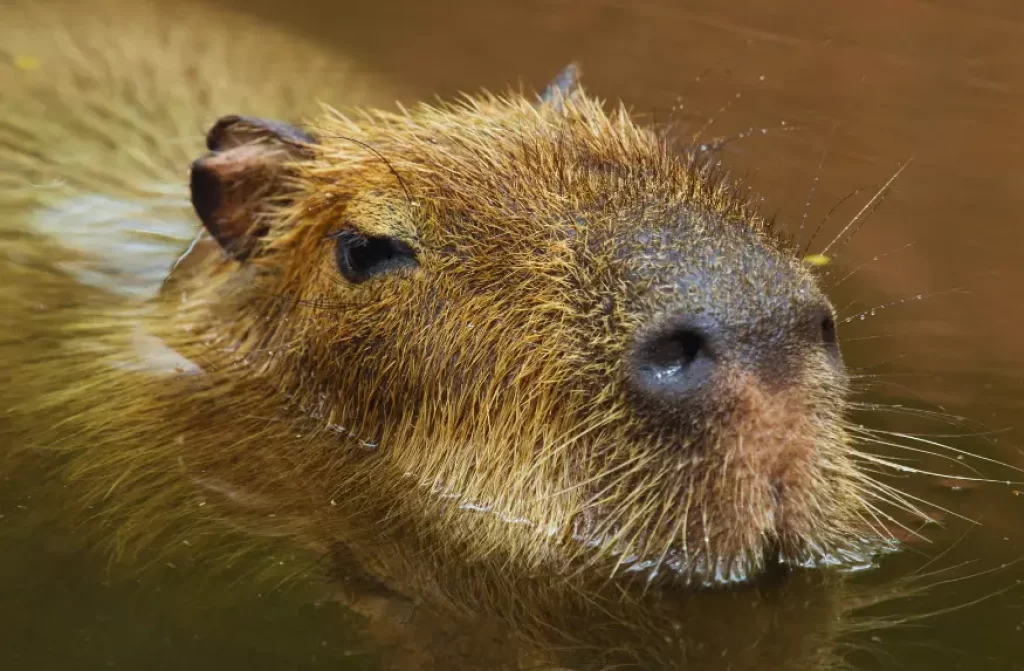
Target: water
{"x": 874, "y": 84}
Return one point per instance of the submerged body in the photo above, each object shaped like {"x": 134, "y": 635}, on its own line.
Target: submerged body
{"x": 455, "y": 348}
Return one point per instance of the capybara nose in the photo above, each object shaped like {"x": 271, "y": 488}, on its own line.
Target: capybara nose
{"x": 680, "y": 355}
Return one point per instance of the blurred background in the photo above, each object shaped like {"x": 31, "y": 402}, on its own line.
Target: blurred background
{"x": 866, "y": 85}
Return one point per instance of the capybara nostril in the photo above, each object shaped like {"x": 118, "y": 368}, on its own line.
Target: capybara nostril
{"x": 674, "y": 362}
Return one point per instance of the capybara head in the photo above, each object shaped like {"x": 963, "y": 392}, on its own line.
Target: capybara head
{"x": 576, "y": 343}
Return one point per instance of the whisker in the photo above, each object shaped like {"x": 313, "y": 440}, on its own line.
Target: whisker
{"x": 873, "y": 337}
{"x": 875, "y": 381}
{"x": 865, "y": 438}
{"x": 883, "y": 379}
{"x": 933, "y": 443}
{"x": 944, "y": 417}
{"x": 919, "y": 573}
{"x": 814, "y": 184}
{"x": 828, "y": 216}
{"x": 994, "y": 569}
{"x": 944, "y": 611}
{"x": 873, "y": 259}
{"x": 879, "y": 531}
{"x": 885, "y": 472}
{"x": 873, "y": 311}
{"x": 714, "y": 117}
{"x": 875, "y": 510}
{"x": 867, "y": 206}
{"x": 976, "y": 434}
{"x": 898, "y": 499}
{"x": 910, "y": 469}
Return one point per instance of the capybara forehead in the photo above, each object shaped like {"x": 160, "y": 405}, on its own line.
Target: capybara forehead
{"x": 506, "y": 169}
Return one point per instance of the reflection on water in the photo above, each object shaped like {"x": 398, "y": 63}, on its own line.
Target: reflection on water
{"x": 64, "y": 608}
{"x": 858, "y": 88}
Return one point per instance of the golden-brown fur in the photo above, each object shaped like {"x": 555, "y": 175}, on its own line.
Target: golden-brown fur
{"x": 492, "y": 377}
{"x": 489, "y": 381}
{"x": 470, "y": 416}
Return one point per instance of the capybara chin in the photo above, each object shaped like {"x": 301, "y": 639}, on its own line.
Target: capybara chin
{"x": 513, "y": 329}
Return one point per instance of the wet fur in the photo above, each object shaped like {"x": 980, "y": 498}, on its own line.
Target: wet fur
{"x": 491, "y": 378}
{"x": 464, "y": 434}
{"x": 476, "y": 407}
{"x": 442, "y": 432}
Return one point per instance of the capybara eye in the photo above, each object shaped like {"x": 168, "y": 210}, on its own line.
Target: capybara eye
{"x": 360, "y": 257}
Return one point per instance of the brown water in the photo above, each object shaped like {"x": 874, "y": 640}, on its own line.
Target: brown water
{"x": 874, "y": 83}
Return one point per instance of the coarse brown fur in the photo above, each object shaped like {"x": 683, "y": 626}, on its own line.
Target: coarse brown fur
{"x": 475, "y": 412}
{"x": 489, "y": 379}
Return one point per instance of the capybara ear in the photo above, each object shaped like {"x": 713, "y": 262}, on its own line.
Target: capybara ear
{"x": 246, "y": 168}
{"x": 565, "y": 85}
